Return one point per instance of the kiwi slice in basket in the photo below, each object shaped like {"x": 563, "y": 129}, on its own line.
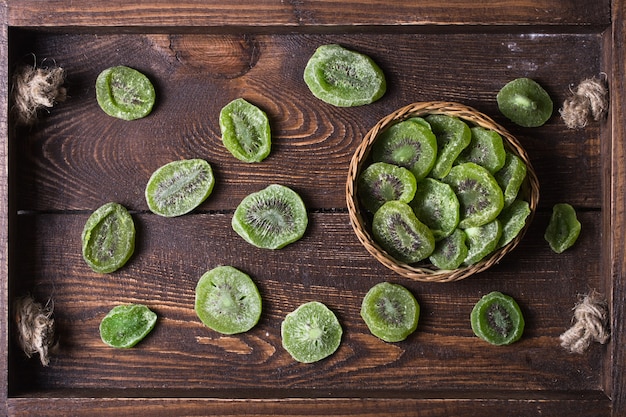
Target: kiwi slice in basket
{"x": 390, "y": 311}
{"x": 343, "y": 77}
{"x": 482, "y": 240}
{"x": 511, "y": 177}
{"x": 108, "y": 238}
{"x": 311, "y": 332}
{"x": 435, "y": 204}
{"x": 409, "y": 144}
{"x": 227, "y": 300}
{"x": 497, "y": 319}
{"x": 525, "y": 102}
{"x": 485, "y": 149}
{"x": 178, "y": 187}
{"x": 381, "y": 182}
{"x": 245, "y": 131}
{"x": 453, "y": 135}
{"x": 563, "y": 229}
{"x": 126, "y": 325}
{"x": 397, "y": 230}
{"x": 451, "y": 251}
{"x": 271, "y": 218}
{"x": 480, "y": 197}
{"x": 513, "y": 219}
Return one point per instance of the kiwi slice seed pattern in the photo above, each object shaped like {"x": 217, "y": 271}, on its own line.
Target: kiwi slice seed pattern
{"x": 178, "y": 187}
{"x": 311, "y": 332}
{"x": 481, "y": 241}
{"x": 485, "y": 149}
{"x": 525, "y": 102}
{"x": 453, "y": 136}
{"x": 497, "y": 319}
{"x": 436, "y": 205}
{"x": 390, "y": 311}
{"x": 451, "y": 251}
{"x": 381, "y": 182}
{"x": 124, "y": 93}
{"x": 344, "y": 78}
{"x": 126, "y": 325}
{"x": 397, "y": 230}
{"x": 409, "y": 144}
{"x": 271, "y": 218}
{"x": 245, "y": 131}
{"x": 227, "y": 300}
{"x": 108, "y": 238}
{"x": 563, "y": 228}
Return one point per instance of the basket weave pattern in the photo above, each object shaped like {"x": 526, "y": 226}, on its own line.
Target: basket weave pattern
{"x": 529, "y": 190}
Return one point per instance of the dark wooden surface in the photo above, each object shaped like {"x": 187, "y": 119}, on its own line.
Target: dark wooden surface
{"x": 200, "y": 57}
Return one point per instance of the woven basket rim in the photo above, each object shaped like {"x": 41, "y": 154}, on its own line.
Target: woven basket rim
{"x": 474, "y": 117}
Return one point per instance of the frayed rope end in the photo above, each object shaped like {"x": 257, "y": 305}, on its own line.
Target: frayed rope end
{"x": 589, "y": 102}
{"x": 591, "y": 316}
{"x": 35, "y": 326}
{"x": 35, "y": 89}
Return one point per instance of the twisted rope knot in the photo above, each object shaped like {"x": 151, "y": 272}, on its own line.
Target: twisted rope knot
{"x": 35, "y": 326}
{"x": 35, "y": 89}
{"x": 589, "y": 101}
{"x": 591, "y": 324}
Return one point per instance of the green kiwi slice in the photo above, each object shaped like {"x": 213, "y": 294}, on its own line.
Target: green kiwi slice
{"x": 311, "y": 332}
{"x": 480, "y": 197}
{"x": 511, "y": 177}
{"x": 178, "y": 187}
{"x": 497, "y": 319}
{"x": 525, "y": 102}
{"x": 397, "y": 230}
{"x": 390, "y": 311}
{"x": 563, "y": 228}
{"x": 271, "y": 218}
{"x": 126, "y": 325}
{"x": 245, "y": 131}
{"x": 124, "y": 93}
{"x": 227, "y": 300}
{"x": 381, "y": 182}
{"x": 485, "y": 149}
{"x": 513, "y": 219}
{"x": 343, "y": 77}
{"x": 451, "y": 251}
{"x": 435, "y": 204}
{"x": 453, "y": 135}
{"x": 481, "y": 241}
{"x": 409, "y": 144}
{"x": 108, "y": 238}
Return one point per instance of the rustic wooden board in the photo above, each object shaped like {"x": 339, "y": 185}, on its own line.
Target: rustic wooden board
{"x": 77, "y": 158}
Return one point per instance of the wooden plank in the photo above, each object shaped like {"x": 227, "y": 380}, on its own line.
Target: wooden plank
{"x": 317, "y": 14}
{"x": 80, "y": 157}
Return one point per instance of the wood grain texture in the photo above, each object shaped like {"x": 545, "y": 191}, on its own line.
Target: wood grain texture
{"x": 289, "y": 14}
{"x": 202, "y": 55}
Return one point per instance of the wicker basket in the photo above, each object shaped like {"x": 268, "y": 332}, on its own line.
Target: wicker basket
{"x": 426, "y": 272}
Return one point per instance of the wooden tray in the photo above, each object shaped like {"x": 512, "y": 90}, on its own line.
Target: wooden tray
{"x": 200, "y": 56}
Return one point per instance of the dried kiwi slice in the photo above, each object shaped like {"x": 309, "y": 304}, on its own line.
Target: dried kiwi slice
{"x": 513, "y": 219}
{"x": 485, "y": 149}
{"x": 311, "y": 332}
{"x": 563, "y": 229}
{"x": 453, "y": 135}
{"x": 511, "y": 177}
{"x": 344, "y": 78}
{"x": 227, "y": 300}
{"x": 124, "y": 93}
{"x": 246, "y": 131}
{"x": 451, "y": 251}
{"x": 479, "y": 194}
{"x": 108, "y": 238}
{"x": 178, "y": 187}
{"x": 525, "y": 102}
{"x": 497, "y": 319}
{"x": 409, "y": 144}
{"x": 381, "y": 182}
{"x": 401, "y": 234}
{"x": 481, "y": 241}
{"x": 435, "y": 204}
{"x": 126, "y": 325}
{"x": 390, "y": 311}
{"x": 271, "y": 218}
